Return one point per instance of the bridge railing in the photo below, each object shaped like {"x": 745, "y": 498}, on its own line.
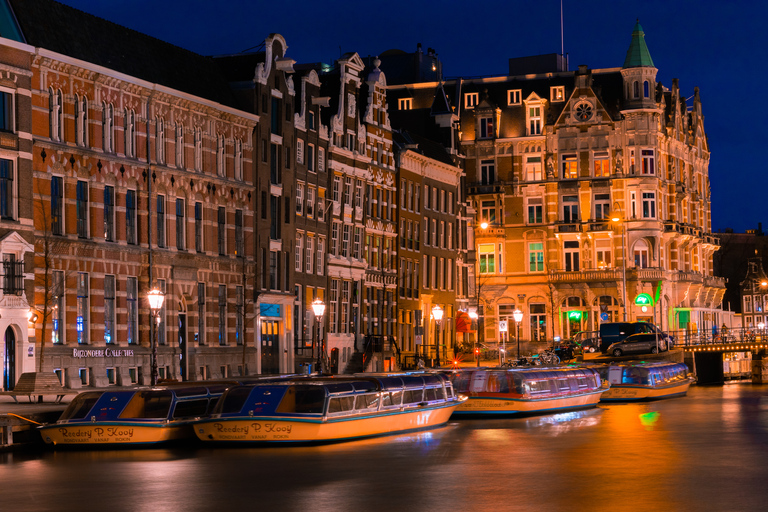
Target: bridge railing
{"x": 688, "y": 337}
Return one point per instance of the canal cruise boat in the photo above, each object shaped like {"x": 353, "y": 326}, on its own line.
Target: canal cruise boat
{"x": 532, "y": 390}
{"x": 330, "y": 409}
{"x": 129, "y": 417}
{"x": 640, "y": 380}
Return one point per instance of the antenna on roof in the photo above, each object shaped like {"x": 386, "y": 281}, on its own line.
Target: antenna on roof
{"x": 562, "y": 41}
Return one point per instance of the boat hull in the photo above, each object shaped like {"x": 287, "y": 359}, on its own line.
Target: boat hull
{"x": 502, "y": 405}
{"x": 100, "y": 434}
{"x": 310, "y": 430}
{"x": 638, "y": 392}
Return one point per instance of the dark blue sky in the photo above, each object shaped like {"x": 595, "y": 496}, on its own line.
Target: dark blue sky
{"x": 711, "y": 45}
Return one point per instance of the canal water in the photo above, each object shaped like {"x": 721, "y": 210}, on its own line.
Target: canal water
{"x": 705, "y": 452}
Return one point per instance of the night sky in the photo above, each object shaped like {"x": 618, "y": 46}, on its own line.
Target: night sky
{"x": 719, "y": 47}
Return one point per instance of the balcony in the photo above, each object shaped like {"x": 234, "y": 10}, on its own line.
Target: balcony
{"x": 485, "y": 188}
{"x": 600, "y": 225}
{"x": 568, "y": 227}
{"x": 588, "y": 275}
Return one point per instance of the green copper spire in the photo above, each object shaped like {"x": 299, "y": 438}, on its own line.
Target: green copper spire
{"x": 638, "y": 54}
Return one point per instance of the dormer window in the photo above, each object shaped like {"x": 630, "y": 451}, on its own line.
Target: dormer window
{"x": 471, "y": 99}
{"x": 513, "y": 97}
{"x": 405, "y": 103}
{"x": 486, "y": 127}
{"x": 534, "y": 120}
{"x": 557, "y": 93}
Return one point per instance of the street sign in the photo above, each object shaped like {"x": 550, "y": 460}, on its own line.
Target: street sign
{"x": 503, "y": 325}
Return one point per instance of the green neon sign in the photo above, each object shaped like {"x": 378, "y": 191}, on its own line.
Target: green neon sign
{"x": 643, "y": 299}
{"x": 574, "y": 315}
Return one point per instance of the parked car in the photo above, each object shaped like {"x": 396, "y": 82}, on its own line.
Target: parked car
{"x": 614, "y": 332}
{"x": 641, "y": 343}
{"x": 586, "y": 341}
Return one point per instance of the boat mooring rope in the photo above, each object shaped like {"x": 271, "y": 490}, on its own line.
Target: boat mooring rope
{"x": 23, "y": 418}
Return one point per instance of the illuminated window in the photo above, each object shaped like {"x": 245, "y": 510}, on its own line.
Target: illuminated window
{"x": 557, "y": 93}
{"x": 488, "y": 211}
{"x": 649, "y": 166}
{"x": 533, "y": 168}
{"x": 487, "y": 173}
{"x": 513, "y": 97}
{"x": 603, "y": 254}
{"x": 405, "y": 103}
{"x": 487, "y": 258}
{"x": 471, "y": 99}
{"x": 570, "y": 167}
{"x": 641, "y": 254}
{"x": 534, "y": 120}
{"x": 602, "y": 164}
{"x": 536, "y": 257}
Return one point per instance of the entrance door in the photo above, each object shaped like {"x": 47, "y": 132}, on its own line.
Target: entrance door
{"x": 334, "y": 361}
{"x": 9, "y": 360}
{"x": 183, "y": 346}
{"x": 270, "y": 346}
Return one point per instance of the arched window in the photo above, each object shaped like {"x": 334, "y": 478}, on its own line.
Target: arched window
{"x": 238, "y": 159}
{"x": 56, "y": 102}
{"x": 220, "y": 155}
{"x": 160, "y": 140}
{"x": 641, "y": 253}
{"x": 198, "y": 149}
{"x": 107, "y": 124}
{"x": 646, "y": 89}
{"x": 179, "y": 146}
{"x": 130, "y": 133}
{"x": 636, "y": 89}
{"x": 81, "y": 120}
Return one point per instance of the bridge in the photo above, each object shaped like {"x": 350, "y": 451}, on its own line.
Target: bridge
{"x": 704, "y": 351}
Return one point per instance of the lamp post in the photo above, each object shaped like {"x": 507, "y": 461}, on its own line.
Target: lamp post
{"x": 518, "y": 316}
{"x": 318, "y": 308}
{"x": 503, "y": 332}
{"x": 156, "y": 299}
{"x": 437, "y": 314}
{"x": 473, "y": 315}
{"x": 617, "y": 217}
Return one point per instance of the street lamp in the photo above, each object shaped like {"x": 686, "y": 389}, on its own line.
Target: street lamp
{"x": 156, "y": 299}
{"x": 503, "y": 332}
{"x": 437, "y": 314}
{"x": 318, "y": 307}
{"x": 518, "y": 316}
{"x": 617, "y": 217}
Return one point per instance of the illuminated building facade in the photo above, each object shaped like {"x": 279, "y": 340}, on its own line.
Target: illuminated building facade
{"x": 552, "y": 157}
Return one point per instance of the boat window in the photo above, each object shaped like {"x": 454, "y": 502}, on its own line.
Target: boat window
{"x": 413, "y": 382}
{"x": 539, "y": 386}
{"x": 448, "y": 391}
{"x": 497, "y": 382}
{"x": 391, "y": 382}
{"x": 563, "y": 385}
{"x": 148, "y": 404}
{"x": 396, "y": 397}
{"x": 461, "y": 381}
{"x": 432, "y": 380}
{"x": 581, "y": 382}
{"x": 430, "y": 394}
{"x": 368, "y": 401}
{"x": 303, "y": 400}
{"x": 196, "y": 391}
{"x": 478, "y": 382}
{"x": 233, "y": 400}
{"x": 339, "y": 387}
{"x": 412, "y": 396}
{"x": 80, "y": 406}
{"x": 341, "y": 404}
{"x": 191, "y": 408}
{"x": 365, "y": 385}
{"x": 518, "y": 384}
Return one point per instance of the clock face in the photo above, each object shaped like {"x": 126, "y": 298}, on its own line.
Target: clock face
{"x": 583, "y": 112}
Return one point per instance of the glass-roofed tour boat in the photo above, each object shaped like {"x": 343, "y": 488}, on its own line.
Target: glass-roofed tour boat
{"x": 526, "y": 390}
{"x": 329, "y": 409}
{"x": 641, "y": 380}
{"x": 134, "y": 416}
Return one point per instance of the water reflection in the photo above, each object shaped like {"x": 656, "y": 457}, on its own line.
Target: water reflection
{"x": 702, "y": 452}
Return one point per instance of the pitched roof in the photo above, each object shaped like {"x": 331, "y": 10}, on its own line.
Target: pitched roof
{"x": 638, "y": 54}
{"x": 69, "y": 31}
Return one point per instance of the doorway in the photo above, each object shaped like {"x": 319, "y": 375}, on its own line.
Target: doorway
{"x": 9, "y": 360}
{"x": 270, "y": 345}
